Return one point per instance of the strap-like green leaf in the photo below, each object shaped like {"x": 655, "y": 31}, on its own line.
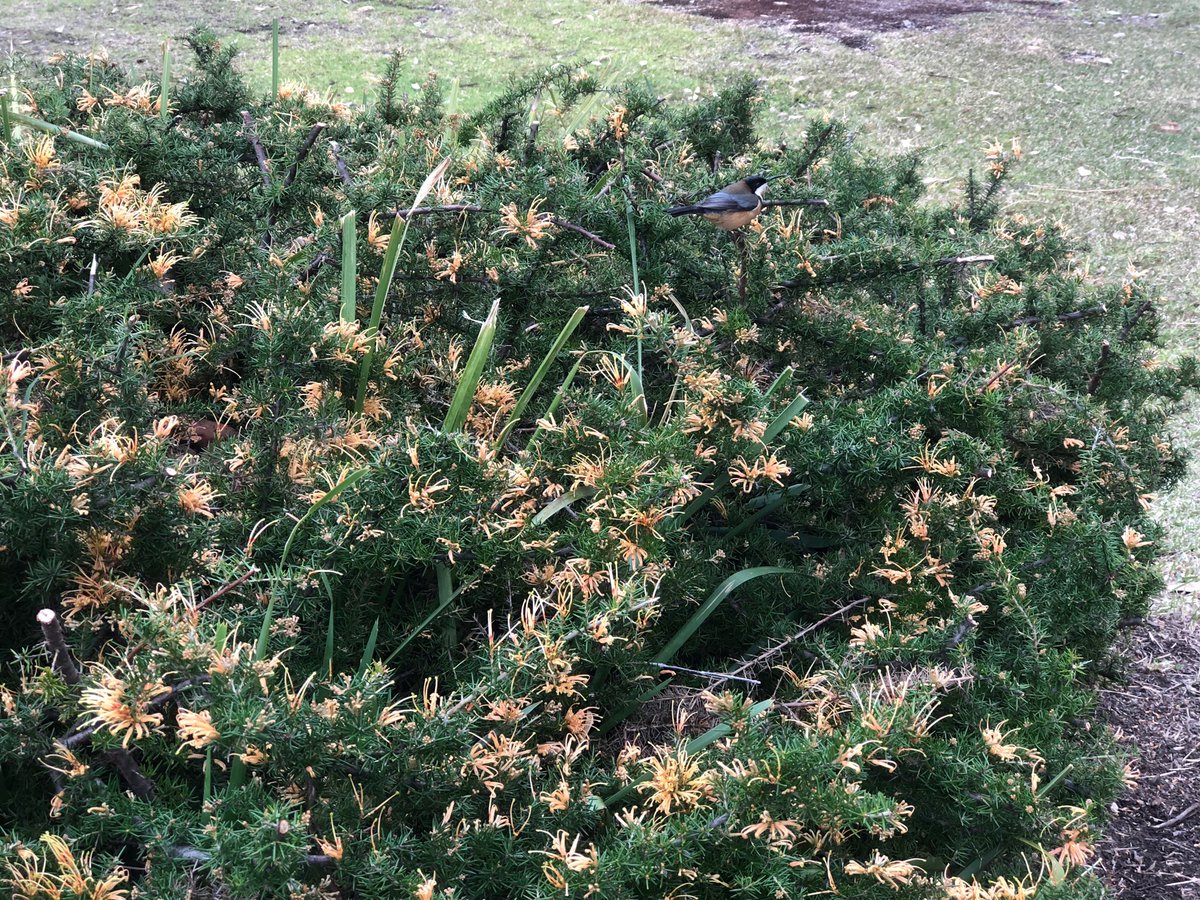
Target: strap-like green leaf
{"x": 468, "y": 384}
{"x": 715, "y": 599}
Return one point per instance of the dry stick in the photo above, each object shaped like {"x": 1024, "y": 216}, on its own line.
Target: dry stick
{"x": 222, "y": 591}
{"x": 594, "y": 238}
{"x": 340, "y": 163}
{"x": 311, "y": 270}
{"x": 1182, "y": 817}
{"x": 804, "y": 632}
{"x": 1064, "y": 317}
{"x": 259, "y": 153}
{"x": 302, "y": 154}
{"x": 1094, "y": 381}
{"x": 123, "y": 762}
{"x": 964, "y": 260}
{"x": 1004, "y": 370}
{"x": 744, "y": 273}
{"x": 901, "y": 269}
{"x": 1132, "y": 323}
{"x": 60, "y": 655}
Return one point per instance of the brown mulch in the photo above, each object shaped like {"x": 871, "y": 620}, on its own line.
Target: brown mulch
{"x": 850, "y": 21}
{"x": 1151, "y": 849}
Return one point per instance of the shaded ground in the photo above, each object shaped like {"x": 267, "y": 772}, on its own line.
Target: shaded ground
{"x": 850, "y": 21}
{"x": 1151, "y": 849}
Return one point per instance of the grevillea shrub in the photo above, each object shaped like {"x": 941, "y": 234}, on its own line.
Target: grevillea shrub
{"x": 533, "y": 543}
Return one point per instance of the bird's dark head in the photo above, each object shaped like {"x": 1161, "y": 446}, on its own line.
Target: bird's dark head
{"x": 756, "y": 183}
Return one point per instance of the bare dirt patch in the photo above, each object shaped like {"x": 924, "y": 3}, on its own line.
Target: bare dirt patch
{"x": 850, "y": 21}
{"x": 1151, "y": 849}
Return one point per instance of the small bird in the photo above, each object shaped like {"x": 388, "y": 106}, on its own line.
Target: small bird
{"x": 731, "y": 207}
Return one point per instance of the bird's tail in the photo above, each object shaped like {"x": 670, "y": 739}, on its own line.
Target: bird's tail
{"x": 683, "y": 210}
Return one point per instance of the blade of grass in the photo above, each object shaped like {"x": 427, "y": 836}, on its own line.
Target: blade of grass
{"x": 237, "y": 769}
{"x": 369, "y": 650}
{"x": 445, "y": 598}
{"x": 349, "y": 267}
{"x": 274, "y": 59}
{"x": 450, "y": 115}
{"x": 264, "y": 634}
{"x": 5, "y": 121}
{"x": 561, "y": 503}
{"x": 631, "y": 225}
{"x": 635, "y": 385}
{"x": 208, "y": 767}
{"x": 327, "y": 659}
{"x": 464, "y": 395}
{"x": 395, "y": 242}
{"x": 637, "y": 282}
{"x": 558, "y": 396}
{"x": 781, "y": 421}
{"x": 536, "y": 381}
{"x": 164, "y": 97}
{"x": 784, "y": 377}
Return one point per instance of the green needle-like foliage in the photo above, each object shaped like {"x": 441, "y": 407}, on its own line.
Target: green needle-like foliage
{"x": 786, "y": 569}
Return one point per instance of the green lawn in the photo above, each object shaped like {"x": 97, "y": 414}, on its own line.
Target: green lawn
{"x": 1105, "y": 97}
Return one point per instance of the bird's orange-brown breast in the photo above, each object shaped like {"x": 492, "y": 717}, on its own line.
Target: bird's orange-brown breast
{"x": 731, "y": 220}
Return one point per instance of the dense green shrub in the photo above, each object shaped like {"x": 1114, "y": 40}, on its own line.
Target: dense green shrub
{"x": 779, "y": 570}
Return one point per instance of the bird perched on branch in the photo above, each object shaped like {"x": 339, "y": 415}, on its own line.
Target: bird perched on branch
{"x": 731, "y": 207}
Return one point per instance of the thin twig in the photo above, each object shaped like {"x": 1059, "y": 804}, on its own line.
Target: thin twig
{"x": 744, "y": 273}
{"x": 340, "y": 164}
{"x": 431, "y": 210}
{"x": 803, "y": 632}
{"x": 301, "y": 155}
{"x": 814, "y": 201}
{"x": 60, "y": 654}
{"x": 666, "y": 667}
{"x": 259, "y": 153}
{"x": 1004, "y": 370}
{"x": 225, "y": 589}
{"x": 594, "y": 238}
{"x": 905, "y": 268}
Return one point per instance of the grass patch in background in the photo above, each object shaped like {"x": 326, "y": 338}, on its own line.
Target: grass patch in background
{"x": 1104, "y": 96}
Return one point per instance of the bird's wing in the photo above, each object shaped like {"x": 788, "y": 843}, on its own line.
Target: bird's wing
{"x": 723, "y": 201}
